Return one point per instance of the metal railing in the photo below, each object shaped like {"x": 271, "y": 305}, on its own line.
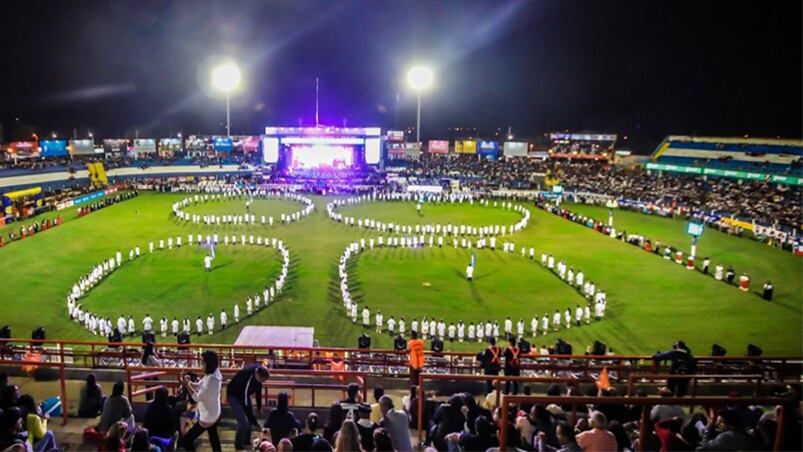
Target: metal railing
{"x": 150, "y": 379}
{"x": 390, "y": 363}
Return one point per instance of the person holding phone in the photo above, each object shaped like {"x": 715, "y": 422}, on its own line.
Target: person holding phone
{"x": 206, "y": 393}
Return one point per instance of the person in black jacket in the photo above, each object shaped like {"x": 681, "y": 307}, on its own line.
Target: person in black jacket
{"x": 281, "y": 420}
{"x": 245, "y": 384}
{"x": 490, "y": 359}
{"x": 159, "y": 419}
{"x": 351, "y": 408}
{"x": 683, "y": 363}
{"x": 512, "y": 364}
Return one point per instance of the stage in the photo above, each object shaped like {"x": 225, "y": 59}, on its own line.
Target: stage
{"x": 276, "y": 336}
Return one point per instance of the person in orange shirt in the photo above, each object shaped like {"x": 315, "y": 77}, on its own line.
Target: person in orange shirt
{"x": 415, "y": 347}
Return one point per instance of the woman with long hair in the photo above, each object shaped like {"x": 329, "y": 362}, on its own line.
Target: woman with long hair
{"x": 91, "y": 399}
{"x": 206, "y": 393}
{"x": 281, "y": 421}
{"x": 348, "y": 438}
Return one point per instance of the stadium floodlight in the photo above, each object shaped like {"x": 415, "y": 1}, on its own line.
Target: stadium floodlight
{"x": 226, "y": 78}
{"x": 419, "y": 78}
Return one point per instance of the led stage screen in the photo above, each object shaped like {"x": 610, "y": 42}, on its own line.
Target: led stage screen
{"x": 321, "y": 156}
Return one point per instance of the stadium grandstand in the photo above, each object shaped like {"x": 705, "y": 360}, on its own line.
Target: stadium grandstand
{"x": 755, "y": 155}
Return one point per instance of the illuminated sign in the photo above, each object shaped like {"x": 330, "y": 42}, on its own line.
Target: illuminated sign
{"x": 695, "y": 229}
{"x": 270, "y": 150}
{"x": 438, "y": 147}
{"x": 373, "y": 151}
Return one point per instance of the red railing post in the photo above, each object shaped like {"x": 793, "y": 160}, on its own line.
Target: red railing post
{"x": 64, "y": 403}
{"x": 420, "y": 407}
{"x": 503, "y": 424}
{"x": 642, "y": 429}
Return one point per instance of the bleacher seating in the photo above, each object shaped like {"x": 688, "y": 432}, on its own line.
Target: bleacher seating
{"x": 745, "y": 154}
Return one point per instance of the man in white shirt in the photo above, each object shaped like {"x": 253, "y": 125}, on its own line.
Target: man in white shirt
{"x": 210, "y": 324}
{"x": 208, "y": 263}
{"x": 199, "y": 326}
{"x": 224, "y": 319}
{"x": 470, "y": 272}
{"x": 366, "y": 317}
{"x": 556, "y": 320}
{"x": 380, "y": 320}
{"x": 236, "y": 312}
{"x": 147, "y": 323}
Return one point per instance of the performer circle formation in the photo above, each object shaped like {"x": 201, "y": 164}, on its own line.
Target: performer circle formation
{"x": 429, "y": 229}
{"x": 231, "y": 192}
{"x": 473, "y": 331}
{"x": 123, "y": 327}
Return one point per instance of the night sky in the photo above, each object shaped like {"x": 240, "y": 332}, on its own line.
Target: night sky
{"x": 638, "y": 68}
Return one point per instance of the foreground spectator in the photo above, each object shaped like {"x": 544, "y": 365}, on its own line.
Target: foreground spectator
{"x": 39, "y": 437}
{"x": 12, "y": 436}
{"x": 725, "y": 432}
{"x": 90, "y": 402}
{"x": 598, "y": 439}
{"x": 159, "y": 419}
{"x": 565, "y": 435}
{"x": 117, "y": 408}
{"x": 281, "y": 420}
{"x": 396, "y": 424}
{"x": 304, "y": 441}
{"x": 207, "y": 395}
{"x": 118, "y": 438}
{"x": 348, "y": 438}
{"x": 243, "y": 386}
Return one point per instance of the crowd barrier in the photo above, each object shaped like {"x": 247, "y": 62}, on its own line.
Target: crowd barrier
{"x": 647, "y": 403}
{"x": 388, "y": 363}
{"x": 146, "y": 380}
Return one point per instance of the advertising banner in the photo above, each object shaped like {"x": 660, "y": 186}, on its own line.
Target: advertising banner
{"x": 395, "y": 150}
{"x": 578, "y": 156}
{"x": 412, "y": 151}
{"x": 222, "y": 144}
{"x": 373, "y": 151}
{"x": 145, "y": 146}
{"x": 82, "y": 147}
{"x": 169, "y": 146}
{"x": 465, "y": 147}
{"x": 488, "y": 150}
{"x": 734, "y": 174}
{"x": 395, "y": 135}
{"x": 438, "y": 147}
{"x": 248, "y": 143}
{"x": 53, "y": 148}
{"x": 23, "y": 149}
{"x": 515, "y": 148}
{"x": 115, "y": 146}
{"x": 89, "y": 197}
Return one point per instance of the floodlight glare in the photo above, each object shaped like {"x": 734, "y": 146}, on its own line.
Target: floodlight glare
{"x": 420, "y": 78}
{"x": 226, "y": 77}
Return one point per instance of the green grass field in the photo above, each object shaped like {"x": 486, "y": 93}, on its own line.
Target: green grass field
{"x": 650, "y": 302}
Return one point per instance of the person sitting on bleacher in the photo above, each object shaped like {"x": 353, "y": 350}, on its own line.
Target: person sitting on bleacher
{"x": 39, "y": 437}
{"x": 91, "y": 398}
{"x": 12, "y": 434}
{"x": 115, "y": 409}
{"x": 159, "y": 418}
{"x": 350, "y": 408}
